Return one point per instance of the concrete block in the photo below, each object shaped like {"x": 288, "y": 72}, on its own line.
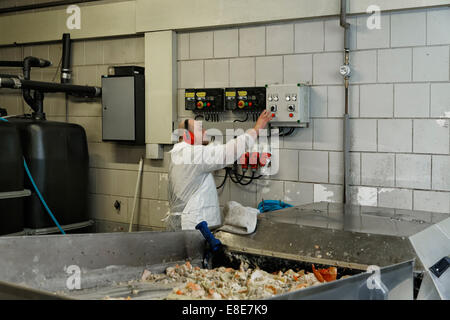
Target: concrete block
{"x": 242, "y": 72}
{"x": 326, "y": 68}
{"x": 313, "y": 166}
{"x": 364, "y": 66}
{"x": 441, "y": 173}
{"x": 394, "y": 135}
{"x": 431, "y": 64}
{"x": 408, "y": 28}
{"x": 328, "y": 134}
{"x": 394, "y": 65}
{"x": 226, "y": 43}
{"x": 431, "y": 136}
{"x": 252, "y": 41}
{"x": 376, "y": 101}
{"x": 395, "y": 198}
{"x": 440, "y": 100}
{"x": 191, "y": 74}
{"x": 319, "y": 102}
{"x": 377, "y": 169}
{"x": 280, "y": 38}
{"x": 412, "y": 100}
{"x": 269, "y": 70}
{"x": 216, "y": 73}
{"x": 201, "y": 45}
{"x": 413, "y": 171}
{"x": 182, "y": 46}
{"x": 372, "y": 38}
{"x": 297, "y": 68}
{"x": 328, "y": 193}
{"x": 363, "y": 135}
{"x": 309, "y": 36}
{"x": 432, "y": 201}
{"x": 297, "y": 193}
{"x": 438, "y": 24}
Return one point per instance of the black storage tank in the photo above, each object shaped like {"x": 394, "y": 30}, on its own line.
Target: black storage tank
{"x": 57, "y": 156}
{"x": 11, "y": 180}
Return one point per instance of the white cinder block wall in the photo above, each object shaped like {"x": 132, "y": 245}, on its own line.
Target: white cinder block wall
{"x": 399, "y": 105}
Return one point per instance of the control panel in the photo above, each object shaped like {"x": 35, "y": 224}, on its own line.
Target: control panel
{"x": 289, "y": 104}
{"x": 245, "y": 99}
{"x": 204, "y": 100}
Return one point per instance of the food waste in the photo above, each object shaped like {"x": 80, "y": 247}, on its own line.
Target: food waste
{"x": 230, "y": 284}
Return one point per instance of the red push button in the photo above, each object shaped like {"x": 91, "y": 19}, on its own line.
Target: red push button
{"x": 208, "y": 104}
{"x": 250, "y": 104}
{"x": 200, "y": 104}
{"x": 241, "y": 104}
{"x": 273, "y": 115}
{"x": 291, "y": 115}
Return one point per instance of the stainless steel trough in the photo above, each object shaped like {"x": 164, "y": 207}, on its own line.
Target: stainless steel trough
{"x": 351, "y": 238}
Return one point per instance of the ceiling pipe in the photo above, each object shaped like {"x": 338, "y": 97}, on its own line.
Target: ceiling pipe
{"x": 345, "y": 72}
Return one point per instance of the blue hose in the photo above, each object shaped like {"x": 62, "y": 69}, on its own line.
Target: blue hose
{"x": 41, "y": 198}
{"x": 38, "y": 192}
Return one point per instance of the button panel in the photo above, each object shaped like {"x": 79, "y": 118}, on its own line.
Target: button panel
{"x": 288, "y": 104}
{"x": 249, "y": 100}
{"x": 204, "y": 100}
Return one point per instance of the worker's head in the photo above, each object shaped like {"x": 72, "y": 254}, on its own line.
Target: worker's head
{"x": 192, "y": 132}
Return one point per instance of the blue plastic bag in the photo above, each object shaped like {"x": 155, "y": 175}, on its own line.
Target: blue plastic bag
{"x": 272, "y": 205}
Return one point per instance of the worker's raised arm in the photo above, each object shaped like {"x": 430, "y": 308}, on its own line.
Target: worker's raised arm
{"x": 218, "y": 156}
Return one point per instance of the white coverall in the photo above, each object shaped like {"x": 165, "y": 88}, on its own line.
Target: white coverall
{"x": 192, "y": 189}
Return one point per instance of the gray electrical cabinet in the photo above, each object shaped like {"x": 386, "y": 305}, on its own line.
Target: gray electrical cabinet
{"x": 123, "y": 107}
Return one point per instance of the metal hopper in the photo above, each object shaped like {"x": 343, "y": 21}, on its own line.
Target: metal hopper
{"x": 38, "y": 267}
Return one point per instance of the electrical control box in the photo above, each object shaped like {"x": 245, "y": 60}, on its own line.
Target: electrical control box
{"x": 245, "y": 99}
{"x": 123, "y": 107}
{"x": 289, "y": 104}
{"x": 204, "y": 100}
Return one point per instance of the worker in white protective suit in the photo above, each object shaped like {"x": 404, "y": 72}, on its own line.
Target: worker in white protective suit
{"x": 192, "y": 190}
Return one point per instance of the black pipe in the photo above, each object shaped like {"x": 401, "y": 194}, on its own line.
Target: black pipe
{"x": 43, "y": 5}
{"x": 39, "y": 105}
{"x": 17, "y": 64}
{"x": 65, "y": 60}
{"x": 85, "y": 91}
{"x": 28, "y": 62}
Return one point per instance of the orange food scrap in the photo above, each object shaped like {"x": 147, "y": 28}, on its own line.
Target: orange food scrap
{"x": 317, "y": 274}
{"x": 179, "y": 292}
{"x": 274, "y": 290}
{"x": 327, "y": 275}
{"x": 193, "y": 286}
